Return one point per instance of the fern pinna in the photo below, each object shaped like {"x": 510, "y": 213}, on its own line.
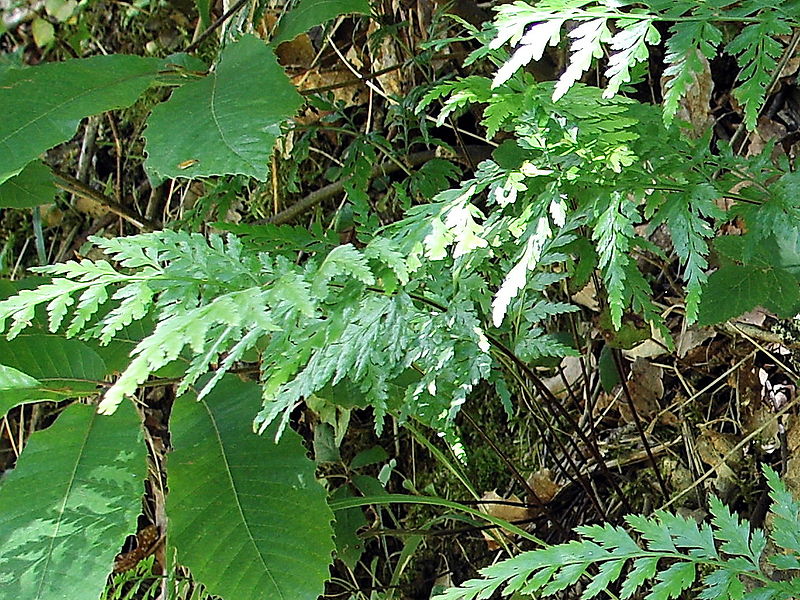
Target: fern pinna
{"x": 727, "y": 556}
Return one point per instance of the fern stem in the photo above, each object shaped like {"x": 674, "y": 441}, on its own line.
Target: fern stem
{"x": 638, "y": 423}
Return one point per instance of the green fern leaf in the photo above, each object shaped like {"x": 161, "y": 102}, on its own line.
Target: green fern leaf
{"x": 672, "y": 581}
{"x": 689, "y": 41}
{"x": 786, "y": 509}
{"x": 643, "y": 570}
{"x": 608, "y": 573}
{"x": 341, "y": 260}
{"x": 614, "y": 233}
{"x": 685, "y": 219}
{"x": 757, "y": 49}
{"x": 630, "y": 46}
{"x": 734, "y": 533}
{"x": 722, "y": 584}
{"x": 588, "y": 38}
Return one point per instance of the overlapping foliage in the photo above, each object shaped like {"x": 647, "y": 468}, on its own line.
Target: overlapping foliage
{"x": 727, "y": 555}
{"x": 413, "y": 316}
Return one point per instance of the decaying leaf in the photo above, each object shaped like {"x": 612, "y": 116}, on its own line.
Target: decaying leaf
{"x": 646, "y": 387}
{"x": 543, "y": 485}
{"x": 508, "y": 512}
{"x": 587, "y": 297}
{"x": 572, "y": 373}
{"x": 716, "y": 448}
{"x": 691, "y": 338}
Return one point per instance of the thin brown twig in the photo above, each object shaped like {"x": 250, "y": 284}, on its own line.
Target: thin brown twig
{"x": 69, "y": 184}
{"x": 337, "y": 187}
{"x": 373, "y": 75}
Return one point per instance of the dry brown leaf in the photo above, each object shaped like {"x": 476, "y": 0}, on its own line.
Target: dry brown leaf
{"x": 656, "y": 345}
{"x": 587, "y": 297}
{"x": 646, "y": 387}
{"x": 507, "y": 512}
{"x": 691, "y": 338}
{"x": 713, "y": 447}
{"x": 695, "y": 107}
{"x": 766, "y": 131}
{"x": 146, "y": 542}
{"x": 542, "y": 484}
{"x": 571, "y": 368}
{"x": 394, "y": 83}
{"x": 755, "y": 317}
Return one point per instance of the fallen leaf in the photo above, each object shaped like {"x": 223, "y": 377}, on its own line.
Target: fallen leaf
{"x": 646, "y": 387}
{"x": 507, "y": 512}
{"x": 587, "y": 297}
{"x": 542, "y": 484}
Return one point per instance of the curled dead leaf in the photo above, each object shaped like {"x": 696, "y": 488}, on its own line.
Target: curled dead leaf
{"x": 543, "y": 485}
{"x": 509, "y": 509}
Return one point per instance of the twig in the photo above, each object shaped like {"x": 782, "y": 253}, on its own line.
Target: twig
{"x": 214, "y": 26}
{"x": 370, "y": 76}
{"x": 337, "y": 187}
{"x": 73, "y": 186}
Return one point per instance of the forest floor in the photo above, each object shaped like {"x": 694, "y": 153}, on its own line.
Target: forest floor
{"x": 675, "y": 428}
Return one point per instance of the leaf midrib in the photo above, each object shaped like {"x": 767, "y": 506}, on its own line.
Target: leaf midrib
{"x": 239, "y": 506}
{"x": 62, "y": 510}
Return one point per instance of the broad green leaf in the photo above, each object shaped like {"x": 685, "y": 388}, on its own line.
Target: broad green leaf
{"x": 734, "y": 289}
{"x": 247, "y": 515}
{"x": 43, "y": 105}
{"x": 12, "y": 379}
{"x": 68, "y": 505}
{"x": 310, "y": 13}
{"x": 225, "y": 123}
{"x": 43, "y": 32}
{"x": 349, "y": 547}
{"x": 31, "y": 187}
{"x": 63, "y": 368}
{"x": 15, "y": 388}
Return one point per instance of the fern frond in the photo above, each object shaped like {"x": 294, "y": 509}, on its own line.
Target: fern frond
{"x": 630, "y": 46}
{"x": 757, "y": 50}
{"x": 588, "y": 39}
{"x": 689, "y": 41}
{"x": 673, "y": 551}
{"x": 685, "y": 216}
{"x": 614, "y": 233}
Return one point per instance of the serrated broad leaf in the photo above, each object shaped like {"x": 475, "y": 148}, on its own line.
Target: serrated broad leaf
{"x": 226, "y": 123}
{"x": 247, "y": 515}
{"x": 43, "y": 105}
{"x": 69, "y": 503}
{"x": 310, "y": 13}
{"x": 735, "y": 289}
{"x": 31, "y": 187}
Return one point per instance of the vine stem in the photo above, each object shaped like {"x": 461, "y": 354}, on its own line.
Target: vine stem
{"x": 337, "y": 505}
